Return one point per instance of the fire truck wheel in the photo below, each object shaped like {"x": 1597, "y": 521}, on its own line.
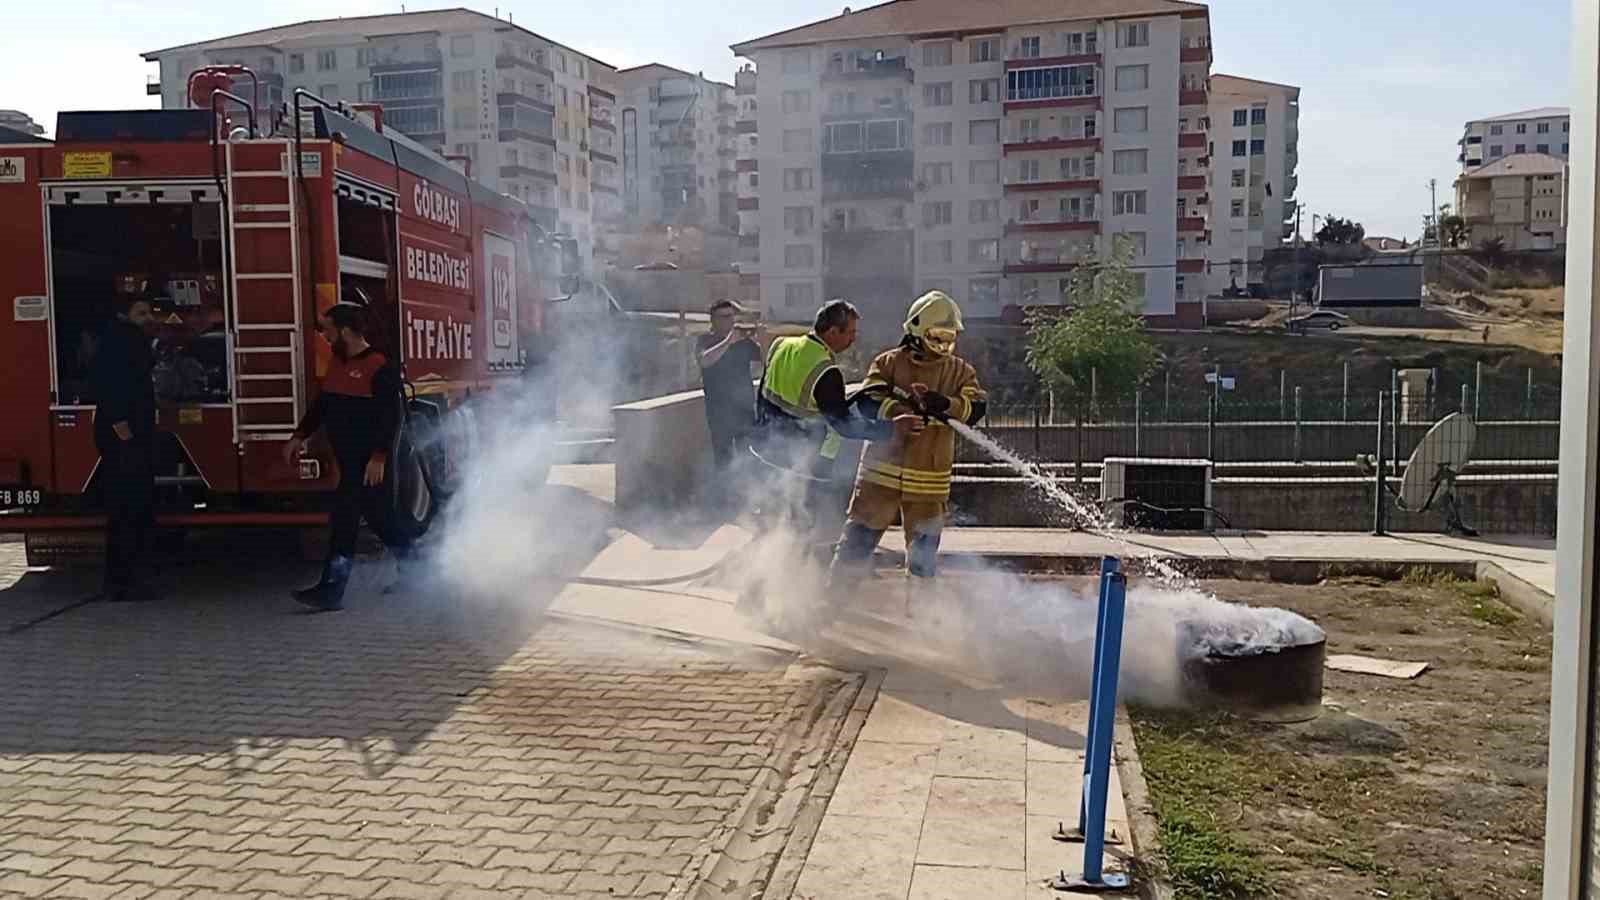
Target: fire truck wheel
{"x": 410, "y": 494}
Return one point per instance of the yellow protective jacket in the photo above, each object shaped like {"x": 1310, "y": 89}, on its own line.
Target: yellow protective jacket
{"x": 920, "y": 467}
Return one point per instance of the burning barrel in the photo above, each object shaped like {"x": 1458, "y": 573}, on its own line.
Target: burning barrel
{"x": 1272, "y": 674}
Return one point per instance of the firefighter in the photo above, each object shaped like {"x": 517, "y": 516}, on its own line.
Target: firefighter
{"x": 121, "y": 376}
{"x": 361, "y": 408}
{"x": 911, "y": 477}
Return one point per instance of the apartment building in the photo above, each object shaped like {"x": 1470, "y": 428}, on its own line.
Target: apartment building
{"x": 1520, "y": 199}
{"x": 982, "y": 149}
{"x": 1544, "y": 130}
{"x": 535, "y": 118}
{"x": 747, "y": 180}
{"x": 679, "y": 127}
{"x": 1254, "y": 136}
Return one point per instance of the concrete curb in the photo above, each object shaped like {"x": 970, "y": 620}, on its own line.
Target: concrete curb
{"x": 1518, "y": 593}
{"x": 1287, "y": 570}
{"x": 1145, "y": 849}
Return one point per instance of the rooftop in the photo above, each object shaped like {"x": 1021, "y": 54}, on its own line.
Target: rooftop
{"x": 1238, "y": 84}
{"x": 664, "y": 69}
{"x": 1543, "y": 112}
{"x": 457, "y": 19}
{"x": 1519, "y": 164}
{"x": 929, "y": 17}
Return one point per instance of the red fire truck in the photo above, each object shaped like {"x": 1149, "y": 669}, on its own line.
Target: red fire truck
{"x": 242, "y": 228}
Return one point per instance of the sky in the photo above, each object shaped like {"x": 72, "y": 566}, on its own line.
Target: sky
{"x": 1385, "y": 87}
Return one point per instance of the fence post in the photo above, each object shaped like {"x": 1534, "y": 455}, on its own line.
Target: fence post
{"x": 1377, "y": 480}
{"x": 1094, "y": 394}
{"x": 1211, "y": 429}
{"x": 1477, "y": 393}
{"x": 1283, "y": 394}
{"x": 1527, "y": 403}
{"x": 1344, "y": 396}
{"x": 1038, "y": 416}
{"x": 1297, "y": 423}
{"x": 1394, "y": 432}
{"x": 1167, "y": 401}
{"x": 1077, "y": 453}
{"x": 1464, "y": 400}
{"x": 1138, "y": 421}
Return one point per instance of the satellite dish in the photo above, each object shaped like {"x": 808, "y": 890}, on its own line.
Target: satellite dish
{"x": 1430, "y": 477}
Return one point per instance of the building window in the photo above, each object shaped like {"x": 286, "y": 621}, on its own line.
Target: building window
{"x": 328, "y": 92}
{"x": 1522, "y": 128}
{"x": 797, "y": 101}
{"x": 983, "y": 171}
{"x": 1028, "y": 210}
{"x": 1080, "y": 42}
{"x": 1240, "y": 118}
{"x": 796, "y": 62}
{"x": 1496, "y": 151}
{"x": 983, "y": 131}
{"x": 1566, "y": 126}
{"x": 937, "y": 54}
{"x": 986, "y": 250}
{"x": 461, "y": 45}
{"x": 1028, "y": 130}
{"x": 1139, "y": 240}
{"x": 982, "y": 211}
{"x": 1258, "y": 116}
{"x": 364, "y": 91}
{"x": 937, "y": 134}
{"x": 1028, "y": 48}
{"x": 1238, "y": 178}
{"x": 583, "y": 168}
{"x": 1541, "y": 148}
{"x": 799, "y": 219}
{"x": 1133, "y": 78}
{"x": 1128, "y": 203}
{"x": 461, "y": 82}
{"x": 561, "y": 96}
{"x": 583, "y": 202}
{"x": 1497, "y": 129}
{"x": 936, "y": 214}
{"x": 1077, "y": 167}
{"x": 1240, "y": 148}
{"x": 464, "y": 117}
{"x": 984, "y": 291}
{"x": 797, "y": 179}
{"x": 1050, "y": 83}
{"x": 566, "y": 198}
{"x": 1136, "y": 34}
{"x": 937, "y": 252}
{"x": 561, "y": 62}
{"x": 1522, "y": 148}
{"x": 1131, "y": 120}
{"x": 363, "y": 57}
{"x": 1564, "y": 149}
{"x": 797, "y": 140}
{"x": 327, "y": 60}
{"x": 799, "y": 256}
{"x": 1236, "y": 209}
{"x": 1258, "y": 147}
{"x": 983, "y": 90}
{"x": 1544, "y": 128}
{"x": 297, "y": 63}
{"x": 1077, "y": 209}
{"x": 1028, "y": 170}
{"x": 802, "y": 296}
{"x": 1130, "y": 162}
{"x": 940, "y": 94}
{"x": 984, "y": 50}
{"x": 938, "y": 173}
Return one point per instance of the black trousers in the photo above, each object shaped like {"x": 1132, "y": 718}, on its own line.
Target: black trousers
{"x": 355, "y": 501}
{"x": 129, "y": 483}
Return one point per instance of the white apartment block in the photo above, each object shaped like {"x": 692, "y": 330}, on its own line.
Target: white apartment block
{"x": 535, "y": 118}
{"x": 678, "y": 128}
{"x": 1520, "y": 199}
{"x": 981, "y": 149}
{"x": 747, "y": 180}
{"x": 1544, "y": 130}
{"x": 1254, "y": 136}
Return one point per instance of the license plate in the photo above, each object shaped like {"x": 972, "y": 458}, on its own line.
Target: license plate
{"x": 20, "y": 497}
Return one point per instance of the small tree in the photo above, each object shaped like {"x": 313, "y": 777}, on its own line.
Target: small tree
{"x": 1335, "y": 230}
{"x": 1492, "y": 251}
{"x": 1100, "y": 340}
{"x": 1452, "y": 230}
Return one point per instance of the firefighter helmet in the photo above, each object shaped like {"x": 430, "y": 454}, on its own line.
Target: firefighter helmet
{"x": 935, "y": 320}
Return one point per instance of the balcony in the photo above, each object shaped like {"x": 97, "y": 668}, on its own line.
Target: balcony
{"x": 1192, "y": 97}
{"x": 746, "y": 126}
{"x": 517, "y": 98}
{"x": 1033, "y": 255}
{"x": 1090, "y": 101}
{"x": 602, "y": 156}
{"x": 1060, "y": 143}
{"x": 867, "y": 69}
{"x": 891, "y": 109}
{"x": 505, "y": 60}
{"x": 409, "y": 85}
{"x": 673, "y": 137}
{"x": 1191, "y": 182}
{"x": 602, "y": 93}
{"x": 516, "y": 134}
{"x": 747, "y": 203}
{"x": 1191, "y": 266}
{"x": 521, "y": 171}
{"x": 748, "y": 164}
{"x": 604, "y": 124}
{"x": 1192, "y": 140}
{"x": 1192, "y": 223}
{"x": 867, "y": 187}
{"x": 1194, "y": 54}
{"x": 1037, "y": 62}
{"x": 1084, "y": 223}
{"x": 385, "y": 62}
{"x": 1081, "y": 184}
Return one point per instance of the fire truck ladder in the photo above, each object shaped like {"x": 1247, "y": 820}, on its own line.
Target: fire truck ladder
{"x": 266, "y": 347}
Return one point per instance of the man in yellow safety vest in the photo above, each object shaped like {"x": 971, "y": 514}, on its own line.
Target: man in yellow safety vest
{"x": 911, "y": 477}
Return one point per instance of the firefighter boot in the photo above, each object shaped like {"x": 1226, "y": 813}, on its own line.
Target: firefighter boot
{"x": 852, "y": 556}
{"x": 922, "y": 552}
{"x": 407, "y": 569}
{"x": 327, "y": 594}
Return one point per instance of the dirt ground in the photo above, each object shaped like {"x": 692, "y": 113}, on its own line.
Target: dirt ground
{"x": 1429, "y": 788}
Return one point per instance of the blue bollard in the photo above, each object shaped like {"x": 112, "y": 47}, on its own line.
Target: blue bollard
{"x": 1103, "y": 721}
{"x": 1108, "y": 565}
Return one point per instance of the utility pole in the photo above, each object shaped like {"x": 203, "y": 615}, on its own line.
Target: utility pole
{"x": 1299, "y": 252}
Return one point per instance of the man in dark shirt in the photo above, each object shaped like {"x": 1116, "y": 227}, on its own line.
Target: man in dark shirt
{"x": 124, "y": 433}
{"x": 360, "y": 407}
{"x": 726, "y": 355}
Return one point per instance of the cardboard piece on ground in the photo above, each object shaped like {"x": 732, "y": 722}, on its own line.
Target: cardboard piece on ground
{"x": 1366, "y": 665}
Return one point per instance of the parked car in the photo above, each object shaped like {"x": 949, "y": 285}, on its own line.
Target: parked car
{"x": 1322, "y": 318}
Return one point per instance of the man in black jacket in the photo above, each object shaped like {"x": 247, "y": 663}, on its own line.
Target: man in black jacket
{"x": 124, "y": 433}
{"x": 360, "y": 408}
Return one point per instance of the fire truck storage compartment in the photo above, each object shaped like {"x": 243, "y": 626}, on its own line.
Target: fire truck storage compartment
{"x": 111, "y": 245}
